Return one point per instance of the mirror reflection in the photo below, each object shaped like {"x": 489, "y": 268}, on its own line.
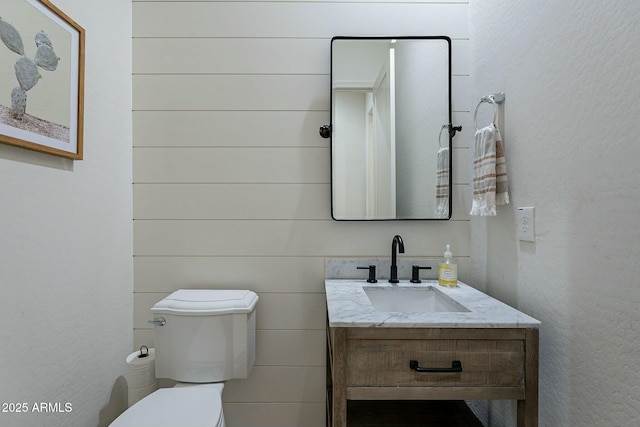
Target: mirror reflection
{"x": 390, "y": 120}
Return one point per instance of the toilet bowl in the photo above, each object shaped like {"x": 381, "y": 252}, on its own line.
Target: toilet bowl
{"x": 185, "y": 405}
{"x": 202, "y": 338}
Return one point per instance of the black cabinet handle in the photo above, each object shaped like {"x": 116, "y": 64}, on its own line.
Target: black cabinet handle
{"x": 456, "y": 366}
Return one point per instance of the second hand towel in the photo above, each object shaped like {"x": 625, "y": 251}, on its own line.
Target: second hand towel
{"x": 442, "y": 183}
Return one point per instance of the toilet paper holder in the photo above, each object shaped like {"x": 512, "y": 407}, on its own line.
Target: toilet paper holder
{"x": 144, "y": 351}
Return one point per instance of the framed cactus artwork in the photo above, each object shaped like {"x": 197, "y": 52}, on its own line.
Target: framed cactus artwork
{"x": 41, "y": 78}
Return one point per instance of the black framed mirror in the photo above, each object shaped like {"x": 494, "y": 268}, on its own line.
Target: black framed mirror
{"x": 390, "y": 128}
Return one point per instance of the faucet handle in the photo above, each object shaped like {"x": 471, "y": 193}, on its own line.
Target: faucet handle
{"x": 372, "y": 273}
{"x": 415, "y": 273}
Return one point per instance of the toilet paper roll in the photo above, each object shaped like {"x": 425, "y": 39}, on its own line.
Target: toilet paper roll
{"x": 136, "y": 394}
{"x": 141, "y": 371}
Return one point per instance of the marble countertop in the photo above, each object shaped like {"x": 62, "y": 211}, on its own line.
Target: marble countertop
{"x": 349, "y": 306}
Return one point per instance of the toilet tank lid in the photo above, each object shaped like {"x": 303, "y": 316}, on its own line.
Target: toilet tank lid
{"x": 203, "y": 302}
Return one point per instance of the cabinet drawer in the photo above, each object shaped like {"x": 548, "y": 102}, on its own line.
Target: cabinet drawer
{"x": 485, "y": 362}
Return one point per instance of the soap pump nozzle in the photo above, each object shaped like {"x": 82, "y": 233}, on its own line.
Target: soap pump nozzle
{"x": 447, "y": 253}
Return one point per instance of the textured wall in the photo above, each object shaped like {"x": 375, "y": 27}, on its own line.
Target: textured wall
{"x": 65, "y": 252}
{"x": 570, "y": 124}
{"x": 231, "y": 179}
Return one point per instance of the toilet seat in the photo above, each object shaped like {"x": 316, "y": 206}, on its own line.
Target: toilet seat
{"x": 184, "y": 406}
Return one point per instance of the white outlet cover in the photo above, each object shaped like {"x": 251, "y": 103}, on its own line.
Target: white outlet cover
{"x": 526, "y": 224}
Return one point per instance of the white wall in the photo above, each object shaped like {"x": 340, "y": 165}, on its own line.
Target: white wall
{"x": 231, "y": 179}
{"x": 418, "y": 123}
{"x": 351, "y": 107}
{"x": 65, "y": 256}
{"x": 570, "y": 124}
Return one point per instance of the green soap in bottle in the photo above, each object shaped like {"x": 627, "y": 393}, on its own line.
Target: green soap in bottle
{"x": 448, "y": 270}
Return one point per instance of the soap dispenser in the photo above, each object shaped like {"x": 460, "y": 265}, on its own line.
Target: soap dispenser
{"x": 448, "y": 270}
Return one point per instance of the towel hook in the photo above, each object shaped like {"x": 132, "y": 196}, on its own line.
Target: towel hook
{"x": 494, "y": 99}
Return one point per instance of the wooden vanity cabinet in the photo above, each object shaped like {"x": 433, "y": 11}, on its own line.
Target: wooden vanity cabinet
{"x": 366, "y": 363}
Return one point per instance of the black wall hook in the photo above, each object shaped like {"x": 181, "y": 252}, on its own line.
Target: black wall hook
{"x": 325, "y": 131}
{"x": 454, "y": 129}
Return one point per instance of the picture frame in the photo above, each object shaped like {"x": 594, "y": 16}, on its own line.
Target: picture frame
{"x": 42, "y": 103}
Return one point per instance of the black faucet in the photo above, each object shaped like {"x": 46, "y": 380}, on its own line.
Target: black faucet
{"x": 399, "y": 245}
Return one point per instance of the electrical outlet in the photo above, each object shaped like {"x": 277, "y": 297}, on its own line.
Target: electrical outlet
{"x": 526, "y": 224}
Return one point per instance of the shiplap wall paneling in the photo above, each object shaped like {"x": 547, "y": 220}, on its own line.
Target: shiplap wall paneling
{"x": 231, "y": 179}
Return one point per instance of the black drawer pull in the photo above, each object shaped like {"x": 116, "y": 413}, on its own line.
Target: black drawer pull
{"x": 456, "y": 366}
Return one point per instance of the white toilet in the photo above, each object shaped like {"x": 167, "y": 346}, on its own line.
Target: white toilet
{"x": 202, "y": 337}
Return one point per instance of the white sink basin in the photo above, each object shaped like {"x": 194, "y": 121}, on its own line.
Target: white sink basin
{"x": 423, "y": 299}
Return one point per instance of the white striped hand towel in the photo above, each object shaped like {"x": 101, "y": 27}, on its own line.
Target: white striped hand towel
{"x": 490, "y": 185}
{"x": 442, "y": 183}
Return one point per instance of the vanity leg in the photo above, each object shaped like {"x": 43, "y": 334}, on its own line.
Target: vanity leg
{"x": 528, "y": 408}
{"x": 339, "y": 378}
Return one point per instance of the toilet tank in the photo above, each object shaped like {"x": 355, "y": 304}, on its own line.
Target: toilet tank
{"x": 207, "y": 335}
